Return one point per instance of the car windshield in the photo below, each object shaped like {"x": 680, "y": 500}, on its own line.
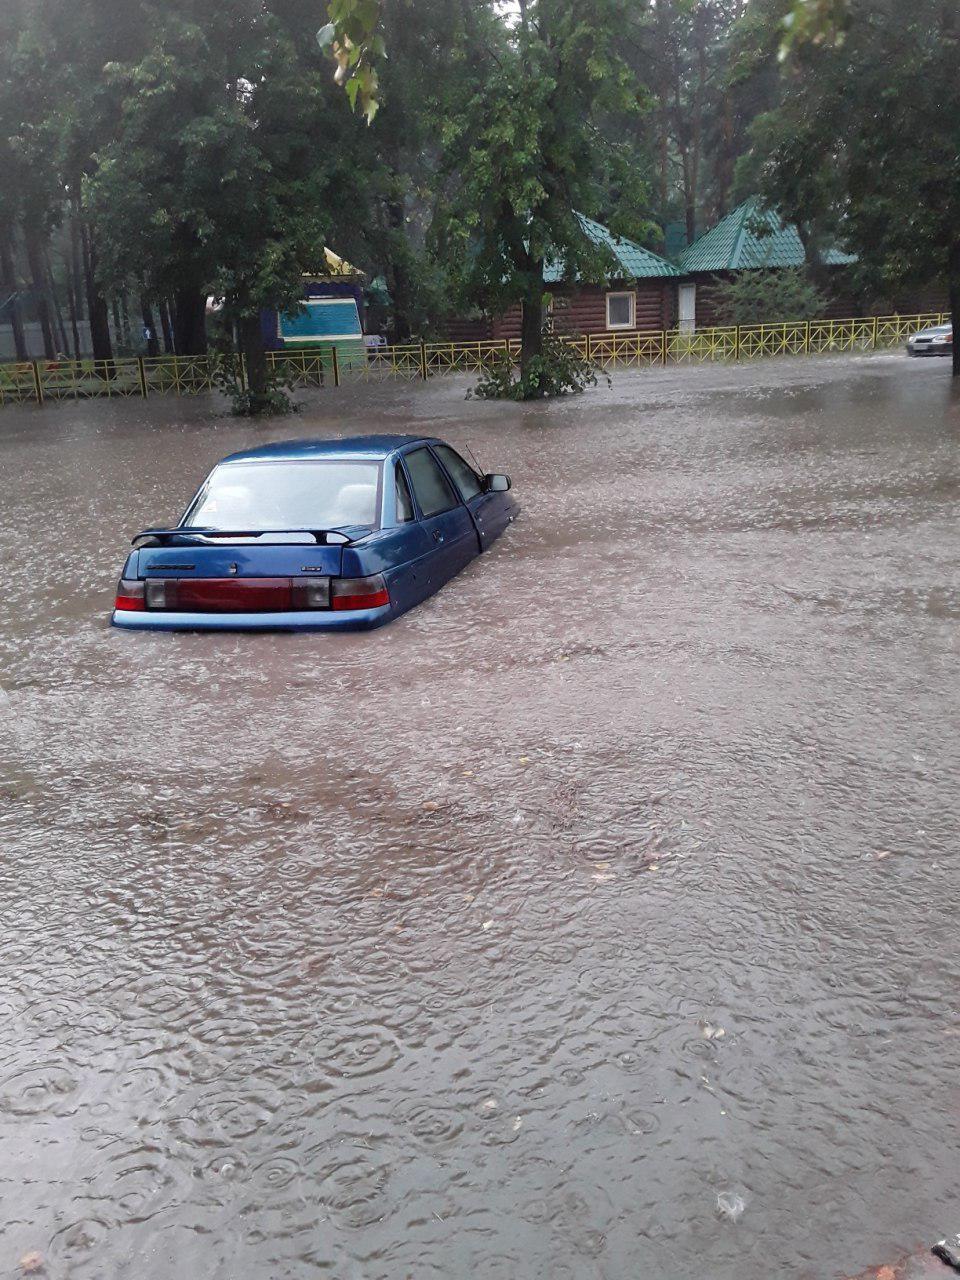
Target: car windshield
{"x": 255, "y": 496}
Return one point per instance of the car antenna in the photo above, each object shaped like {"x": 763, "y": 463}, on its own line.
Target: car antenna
{"x": 474, "y": 457}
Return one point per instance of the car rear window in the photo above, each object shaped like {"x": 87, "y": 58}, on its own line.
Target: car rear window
{"x": 464, "y": 476}
{"x": 256, "y": 496}
{"x": 429, "y": 483}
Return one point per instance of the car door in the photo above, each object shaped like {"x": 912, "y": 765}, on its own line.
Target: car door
{"x": 443, "y": 516}
{"x": 491, "y": 512}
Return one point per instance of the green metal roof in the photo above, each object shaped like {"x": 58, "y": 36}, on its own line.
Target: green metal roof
{"x": 733, "y": 245}
{"x": 636, "y": 263}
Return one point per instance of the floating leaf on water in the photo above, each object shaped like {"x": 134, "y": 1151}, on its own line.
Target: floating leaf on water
{"x": 430, "y": 805}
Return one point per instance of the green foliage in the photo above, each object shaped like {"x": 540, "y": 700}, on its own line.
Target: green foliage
{"x": 762, "y": 297}
{"x": 867, "y": 135}
{"x": 523, "y": 151}
{"x": 271, "y": 399}
{"x": 558, "y": 370}
{"x": 355, "y": 41}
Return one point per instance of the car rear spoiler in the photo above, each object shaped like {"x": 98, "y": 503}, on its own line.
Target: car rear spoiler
{"x": 176, "y": 537}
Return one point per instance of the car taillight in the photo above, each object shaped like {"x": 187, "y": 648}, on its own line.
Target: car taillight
{"x": 130, "y": 595}
{"x": 359, "y": 593}
{"x": 314, "y": 593}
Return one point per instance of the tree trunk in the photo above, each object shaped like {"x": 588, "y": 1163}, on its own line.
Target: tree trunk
{"x": 168, "y": 344}
{"x": 531, "y": 318}
{"x": 73, "y": 307}
{"x": 97, "y": 309}
{"x": 8, "y": 284}
{"x": 63, "y": 342}
{"x": 149, "y": 326}
{"x": 400, "y": 283}
{"x": 190, "y": 322}
{"x": 125, "y": 322}
{"x": 954, "y": 285}
{"x": 254, "y": 354}
{"x": 34, "y": 251}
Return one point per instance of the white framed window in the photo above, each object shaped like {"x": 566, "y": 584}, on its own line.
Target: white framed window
{"x": 687, "y": 308}
{"x": 621, "y": 310}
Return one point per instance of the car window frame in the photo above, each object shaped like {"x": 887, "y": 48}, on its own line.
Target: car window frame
{"x": 416, "y": 515}
{"x": 434, "y": 449}
{"x": 458, "y": 501}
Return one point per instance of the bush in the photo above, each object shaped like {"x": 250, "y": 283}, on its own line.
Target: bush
{"x": 559, "y": 370}
{"x": 765, "y": 297}
{"x": 271, "y": 401}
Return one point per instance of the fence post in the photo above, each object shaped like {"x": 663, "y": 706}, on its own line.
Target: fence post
{"x": 587, "y": 348}
{"x": 874, "y": 333}
{"x": 806, "y": 337}
{"x": 736, "y": 343}
{"x": 143, "y": 376}
{"x": 37, "y": 384}
{"x": 423, "y": 360}
{"x": 663, "y": 346}
{"x": 336, "y": 365}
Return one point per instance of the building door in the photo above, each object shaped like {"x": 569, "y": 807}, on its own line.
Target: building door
{"x": 688, "y": 308}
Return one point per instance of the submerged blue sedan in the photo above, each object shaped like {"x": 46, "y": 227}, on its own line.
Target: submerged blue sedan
{"x": 324, "y": 535}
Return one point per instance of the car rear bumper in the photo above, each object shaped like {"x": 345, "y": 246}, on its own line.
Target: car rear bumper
{"x": 310, "y": 620}
{"x": 928, "y": 349}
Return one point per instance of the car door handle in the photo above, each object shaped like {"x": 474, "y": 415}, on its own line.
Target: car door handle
{"x": 437, "y": 535}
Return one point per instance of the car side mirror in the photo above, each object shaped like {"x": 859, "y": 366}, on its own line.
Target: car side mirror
{"x": 496, "y": 484}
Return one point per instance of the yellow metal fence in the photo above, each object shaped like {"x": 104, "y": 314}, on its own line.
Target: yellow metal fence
{"x": 41, "y": 381}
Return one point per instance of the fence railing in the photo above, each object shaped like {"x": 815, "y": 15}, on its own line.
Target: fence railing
{"x": 40, "y": 381}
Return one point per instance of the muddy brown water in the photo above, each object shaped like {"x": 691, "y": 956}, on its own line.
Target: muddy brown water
{"x": 500, "y": 943}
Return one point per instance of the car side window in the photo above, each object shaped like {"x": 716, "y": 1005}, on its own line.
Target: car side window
{"x": 404, "y": 504}
{"x": 429, "y": 483}
{"x": 464, "y": 476}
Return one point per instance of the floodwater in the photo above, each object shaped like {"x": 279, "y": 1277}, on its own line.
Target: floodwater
{"x": 595, "y": 921}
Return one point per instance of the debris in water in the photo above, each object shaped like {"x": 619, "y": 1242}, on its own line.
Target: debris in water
{"x": 949, "y": 1250}
{"x": 30, "y": 1263}
{"x": 730, "y": 1205}
{"x": 711, "y": 1032}
{"x": 430, "y": 806}
{"x": 487, "y": 924}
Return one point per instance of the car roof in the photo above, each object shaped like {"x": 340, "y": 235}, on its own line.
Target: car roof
{"x": 372, "y": 447}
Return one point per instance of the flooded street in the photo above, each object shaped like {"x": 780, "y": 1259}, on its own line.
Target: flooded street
{"x": 594, "y": 921}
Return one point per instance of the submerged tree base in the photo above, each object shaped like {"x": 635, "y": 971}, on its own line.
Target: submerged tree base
{"x": 558, "y": 370}
{"x": 262, "y": 404}
{"x": 270, "y": 399}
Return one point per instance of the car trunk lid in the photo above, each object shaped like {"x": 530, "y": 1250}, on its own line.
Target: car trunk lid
{"x": 238, "y": 560}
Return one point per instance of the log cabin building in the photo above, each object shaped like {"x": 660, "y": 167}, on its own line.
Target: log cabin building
{"x": 752, "y": 238}
{"x": 640, "y": 296}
